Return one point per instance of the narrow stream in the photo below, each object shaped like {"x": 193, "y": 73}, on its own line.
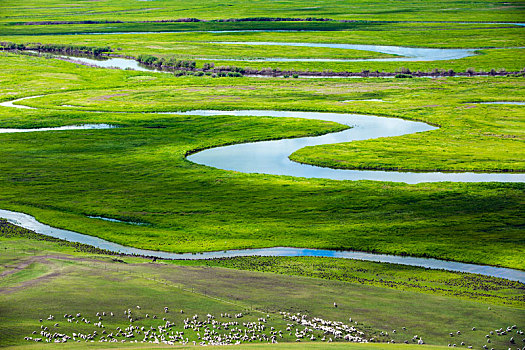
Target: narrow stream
{"x": 226, "y": 31}
{"x": 31, "y": 223}
{"x": 516, "y": 103}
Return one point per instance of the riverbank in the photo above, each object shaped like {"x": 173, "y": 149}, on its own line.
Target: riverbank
{"x": 29, "y": 268}
{"x": 382, "y": 274}
{"x": 94, "y": 245}
{"x": 188, "y": 67}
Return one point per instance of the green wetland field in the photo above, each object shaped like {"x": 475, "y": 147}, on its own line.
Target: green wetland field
{"x": 137, "y": 175}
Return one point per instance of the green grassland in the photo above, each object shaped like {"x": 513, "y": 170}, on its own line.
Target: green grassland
{"x": 128, "y": 10}
{"x": 289, "y": 345}
{"x": 139, "y": 173}
{"x": 437, "y": 35}
{"x": 89, "y": 283}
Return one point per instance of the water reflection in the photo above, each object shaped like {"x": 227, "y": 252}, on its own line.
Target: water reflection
{"x": 59, "y": 128}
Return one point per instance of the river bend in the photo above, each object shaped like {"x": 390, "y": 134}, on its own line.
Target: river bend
{"x": 272, "y": 157}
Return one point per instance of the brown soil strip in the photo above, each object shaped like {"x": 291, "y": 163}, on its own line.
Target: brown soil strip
{"x": 43, "y": 259}
{"x": 30, "y": 283}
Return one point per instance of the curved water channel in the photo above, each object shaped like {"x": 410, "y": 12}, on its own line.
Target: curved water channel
{"x": 31, "y": 223}
{"x": 271, "y": 156}
{"x": 404, "y": 54}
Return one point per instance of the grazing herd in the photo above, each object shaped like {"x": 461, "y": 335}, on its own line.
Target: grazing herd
{"x": 228, "y": 330}
{"x": 199, "y": 330}
{"x": 499, "y": 332}
{"x": 332, "y": 330}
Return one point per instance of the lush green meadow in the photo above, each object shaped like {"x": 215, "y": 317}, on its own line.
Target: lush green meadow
{"x": 42, "y": 278}
{"x": 128, "y": 10}
{"x": 138, "y": 172}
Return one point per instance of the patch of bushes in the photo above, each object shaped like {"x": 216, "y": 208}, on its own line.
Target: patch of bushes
{"x": 60, "y": 48}
{"x": 231, "y": 69}
{"x": 208, "y": 66}
{"x": 274, "y": 19}
{"x": 165, "y": 62}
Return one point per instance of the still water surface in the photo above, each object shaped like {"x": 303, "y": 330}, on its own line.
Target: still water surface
{"x": 59, "y": 128}
{"x": 406, "y": 53}
{"x": 271, "y": 157}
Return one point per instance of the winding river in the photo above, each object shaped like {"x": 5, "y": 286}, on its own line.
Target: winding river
{"x": 404, "y": 54}
{"x": 31, "y": 223}
{"x": 271, "y": 157}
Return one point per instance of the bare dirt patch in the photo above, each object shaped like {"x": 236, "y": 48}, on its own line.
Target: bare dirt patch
{"x": 30, "y": 283}
{"x": 42, "y": 259}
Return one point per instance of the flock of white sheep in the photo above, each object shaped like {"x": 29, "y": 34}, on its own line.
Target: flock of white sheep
{"x": 229, "y": 330}
{"x": 205, "y": 330}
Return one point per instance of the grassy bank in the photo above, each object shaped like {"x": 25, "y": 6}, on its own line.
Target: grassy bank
{"x": 400, "y": 277}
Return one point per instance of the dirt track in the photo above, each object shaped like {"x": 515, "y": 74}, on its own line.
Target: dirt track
{"x": 43, "y": 259}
